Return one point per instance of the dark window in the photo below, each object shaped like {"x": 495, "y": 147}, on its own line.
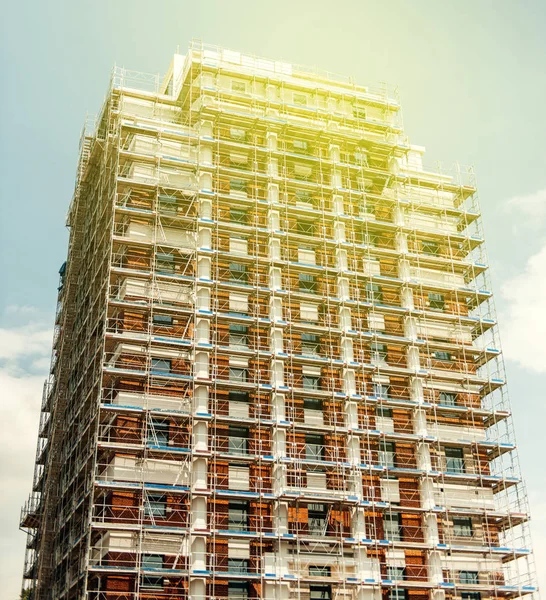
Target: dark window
{"x": 380, "y": 411}
{"x": 378, "y": 352}
{"x": 471, "y": 596}
{"x": 150, "y": 562}
{"x": 312, "y": 403}
{"x": 238, "y": 336}
{"x": 238, "y": 185}
{"x": 462, "y": 526}
{"x": 238, "y": 272}
{"x": 318, "y": 519}
{"x": 164, "y": 263}
{"x": 168, "y": 205}
{"x": 310, "y": 344}
{"x": 238, "y": 516}
{"x": 307, "y": 283}
{"x": 238, "y": 374}
{"x": 314, "y": 447}
{"x": 237, "y": 565}
{"x": 319, "y": 571}
{"x": 395, "y": 573}
{"x": 387, "y": 454}
{"x": 374, "y": 293}
{"x": 305, "y": 227}
{"x": 391, "y": 525}
{"x": 436, "y": 301}
{"x": 238, "y": 440}
{"x": 430, "y": 248}
{"x": 454, "y": 460}
{"x": 239, "y": 135}
{"x": 320, "y": 592}
{"x": 381, "y": 390}
{"x": 469, "y": 577}
{"x": 161, "y": 365}
{"x": 311, "y": 382}
{"x": 162, "y": 320}
{"x": 441, "y": 355}
{"x": 158, "y": 432}
{"x": 359, "y": 112}
{"x": 237, "y": 215}
{"x": 238, "y": 590}
{"x": 155, "y": 505}
{"x": 303, "y": 196}
{"x": 448, "y": 398}
{"x": 236, "y": 396}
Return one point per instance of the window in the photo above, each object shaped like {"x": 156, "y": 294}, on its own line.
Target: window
{"x": 310, "y": 344}
{"x": 236, "y": 396}
{"x": 161, "y": 365}
{"x": 378, "y": 352}
{"x": 387, "y": 454}
{"x": 238, "y": 272}
{"x": 454, "y": 460}
{"x": 238, "y": 374}
{"x": 320, "y": 592}
{"x": 300, "y": 146}
{"x": 307, "y": 283}
{"x": 300, "y": 99}
{"x": 152, "y": 562}
{"x": 306, "y": 227}
{"x": 237, "y": 185}
{"x": 374, "y": 293}
{"x": 168, "y": 204}
{"x": 155, "y": 505}
{"x": 237, "y": 215}
{"x": 312, "y": 403}
{"x": 391, "y": 525}
{"x": 238, "y": 440}
{"x": 238, "y": 336}
{"x": 318, "y": 519}
{"x": 239, "y": 135}
{"x": 237, "y": 565}
{"x": 380, "y": 411}
{"x": 162, "y": 320}
{"x": 164, "y": 263}
{"x": 238, "y": 590}
{"x": 469, "y": 577}
{"x": 311, "y": 382}
{"x": 238, "y": 86}
{"x": 395, "y": 573}
{"x": 314, "y": 447}
{"x": 436, "y": 301}
{"x": 319, "y": 571}
{"x": 441, "y": 355}
{"x": 158, "y": 432}
{"x": 238, "y": 516}
{"x": 303, "y": 197}
{"x": 448, "y": 398}
{"x": 359, "y": 112}
{"x": 361, "y": 158}
{"x": 381, "y": 390}
{"x": 462, "y": 526}
{"x": 430, "y": 248}
{"x": 471, "y": 596}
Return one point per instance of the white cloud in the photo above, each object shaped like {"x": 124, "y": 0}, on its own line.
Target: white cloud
{"x": 532, "y": 206}
{"x": 32, "y": 340}
{"x": 524, "y": 319}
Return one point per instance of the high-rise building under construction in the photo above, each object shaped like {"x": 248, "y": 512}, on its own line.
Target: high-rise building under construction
{"x": 275, "y": 370}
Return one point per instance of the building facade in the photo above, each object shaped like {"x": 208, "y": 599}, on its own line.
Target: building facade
{"x": 275, "y": 370}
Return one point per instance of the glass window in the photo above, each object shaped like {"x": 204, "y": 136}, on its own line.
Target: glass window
{"x": 238, "y": 86}
{"x": 152, "y": 562}
{"x": 311, "y": 382}
{"x": 300, "y": 146}
{"x": 303, "y": 196}
{"x": 238, "y": 374}
{"x": 238, "y": 516}
{"x": 395, "y": 573}
{"x": 381, "y": 411}
{"x": 381, "y": 390}
{"x": 307, "y": 283}
{"x": 237, "y": 565}
{"x": 441, "y": 355}
{"x": 454, "y": 460}
{"x": 237, "y": 215}
{"x": 462, "y": 526}
{"x": 391, "y": 525}
{"x": 158, "y": 432}
{"x": 238, "y": 590}
{"x": 300, "y": 99}
{"x": 305, "y": 227}
{"x": 236, "y": 396}
{"x": 238, "y": 185}
{"x": 238, "y": 272}
{"x": 239, "y": 135}
{"x": 373, "y": 292}
{"x": 387, "y": 454}
{"x": 320, "y": 592}
{"x": 430, "y": 248}
{"x": 359, "y": 112}
{"x": 161, "y": 365}
{"x": 164, "y": 263}
{"x": 471, "y": 596}
{"x": 310, "y": 344}
{"x": 312, "y": 403}
{"x": 238, "y": 336}
{"x": 162, "y": 320}
{"x": 155, "y": 505}
{"x": 238, "y": 440}
{"x": 448, "y": 398}
{"x": 378, "y": 352}
{"x": 469, "y": 577}
{"x": 168, "y": 204}
{"x": 317, "y": 518}
{"x": 319, "y": 571}
{"x": 314, "y": 447}
{"x": 436, "y": 301}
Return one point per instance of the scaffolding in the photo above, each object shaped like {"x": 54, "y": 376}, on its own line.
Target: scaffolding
{"x": 276, "y": 370}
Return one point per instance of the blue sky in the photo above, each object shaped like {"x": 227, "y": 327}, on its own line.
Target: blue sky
{"x": 472, "y": 83}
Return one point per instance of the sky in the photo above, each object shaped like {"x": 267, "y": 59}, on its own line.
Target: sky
{"x": 472, "y": 83}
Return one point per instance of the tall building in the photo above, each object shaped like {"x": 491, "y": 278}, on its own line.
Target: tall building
{"x": 276, "y": 371}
